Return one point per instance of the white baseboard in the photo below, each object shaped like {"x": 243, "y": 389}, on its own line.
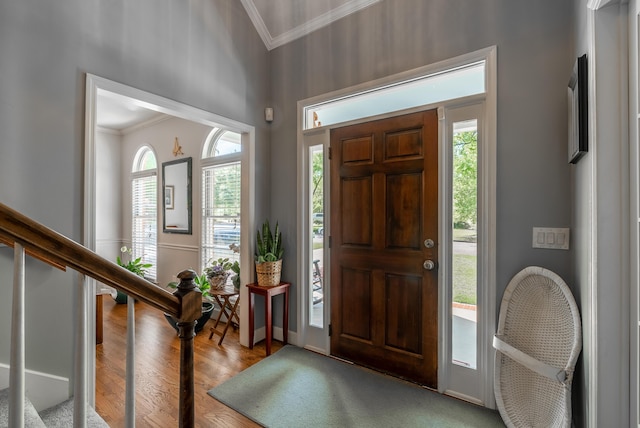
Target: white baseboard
{"x": 260, "y": 334}
{"x": 42, "y": 389}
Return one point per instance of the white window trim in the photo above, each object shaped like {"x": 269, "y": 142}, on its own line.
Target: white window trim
{"x": 634, "y": 215}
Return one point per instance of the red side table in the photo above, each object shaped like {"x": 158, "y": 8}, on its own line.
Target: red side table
{"x": 268, "y": 293}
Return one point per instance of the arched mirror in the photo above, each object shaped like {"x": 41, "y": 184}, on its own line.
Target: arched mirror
{"x": 176, "y": 184}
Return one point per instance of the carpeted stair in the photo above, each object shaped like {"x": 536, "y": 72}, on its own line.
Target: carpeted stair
{"x": 59, "y": 416}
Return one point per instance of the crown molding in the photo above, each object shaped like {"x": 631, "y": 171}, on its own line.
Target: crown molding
{"x": 302, "y": 30}
{"x": 255, "y": 17}
{"x": 599, "y": 4}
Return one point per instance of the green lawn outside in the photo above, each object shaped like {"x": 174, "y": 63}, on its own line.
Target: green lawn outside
{"x": 464, "y": 278}
{"x": 465, "y": 269}
{"x": 465, "y": 235}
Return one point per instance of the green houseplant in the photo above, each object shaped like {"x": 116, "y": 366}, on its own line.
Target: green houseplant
{"x": 136, "y": 266}
{"x": 204, "y": 286}
{"x": 269, "y": 251}
{"x": 201, "y": 282}
{"x": 235, "y": 279}
{"x": 235, "y": 268}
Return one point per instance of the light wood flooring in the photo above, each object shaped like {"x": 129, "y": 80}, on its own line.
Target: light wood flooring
{"x": 157, "y": 370}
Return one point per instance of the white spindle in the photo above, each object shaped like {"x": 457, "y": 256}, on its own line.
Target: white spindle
{"x": 130, "y": 398}
{"x": 80, "y": 375}
{"x": 16, "y": 372}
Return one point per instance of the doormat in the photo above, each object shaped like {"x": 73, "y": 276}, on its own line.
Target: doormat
{"x": 295, "y": 387}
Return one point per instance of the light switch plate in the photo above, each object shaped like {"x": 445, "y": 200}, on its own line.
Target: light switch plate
{"x": 551, "y": 237}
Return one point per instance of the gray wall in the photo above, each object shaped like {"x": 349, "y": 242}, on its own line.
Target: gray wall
{"x": 534, "y": 63}
{"x": 202, "y": 53}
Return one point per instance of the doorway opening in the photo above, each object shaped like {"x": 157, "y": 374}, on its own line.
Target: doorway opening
{"x": 101, "y": 93}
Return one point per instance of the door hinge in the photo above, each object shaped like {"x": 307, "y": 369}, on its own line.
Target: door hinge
{"x": 329, "y": 153}
{"x": 329, "y": 241}
{"x": 330, "y": 330}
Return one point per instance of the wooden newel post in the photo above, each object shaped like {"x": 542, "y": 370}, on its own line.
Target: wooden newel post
{"x": 191, "y": 310}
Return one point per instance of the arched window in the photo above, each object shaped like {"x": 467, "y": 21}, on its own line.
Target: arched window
{"x": 220, "y": 143}
{"x": 144, "y": 209}
{"x": 221, "y": 191}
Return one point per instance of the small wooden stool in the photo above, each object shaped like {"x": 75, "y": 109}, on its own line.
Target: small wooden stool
{"x": 227, "y": 307}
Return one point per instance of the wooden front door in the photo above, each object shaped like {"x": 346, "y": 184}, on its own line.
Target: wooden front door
{"x": 384, "y": 206}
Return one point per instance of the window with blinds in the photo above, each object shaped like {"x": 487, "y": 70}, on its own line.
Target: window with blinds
{"x": 144, "y": 209}
{"x": 221, "y": 191}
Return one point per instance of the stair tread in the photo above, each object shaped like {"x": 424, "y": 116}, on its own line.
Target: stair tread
{"x": 31, "y": 417}
{"x": 61, "y": 416}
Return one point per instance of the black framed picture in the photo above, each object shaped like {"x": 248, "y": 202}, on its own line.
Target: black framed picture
{"x": 578, "y": 110}
{"x": 168, "y": 197}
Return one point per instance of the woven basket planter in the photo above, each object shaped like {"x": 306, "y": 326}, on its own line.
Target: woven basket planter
{"x": 218, "y": 281}
{"x": 269, "y": 273}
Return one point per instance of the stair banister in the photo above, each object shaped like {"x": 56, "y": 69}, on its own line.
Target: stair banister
{"x": 52, "y": 246}
{"x": 80, "y": 368}
{"x": 29, "y": 237}
{"x": 16, "y": 371}
{"x": 130, "y": 387}
{"x": 190, "y": 295}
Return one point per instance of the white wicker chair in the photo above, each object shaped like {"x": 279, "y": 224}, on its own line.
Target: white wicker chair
{"x": 537, "y": 344}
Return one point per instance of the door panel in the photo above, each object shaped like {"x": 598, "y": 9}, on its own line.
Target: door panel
{"x": 384, "y": 205}
{"x": 357, "y": 200}
{"x": 355, "y": 321}
{"x": 403, "y": 211}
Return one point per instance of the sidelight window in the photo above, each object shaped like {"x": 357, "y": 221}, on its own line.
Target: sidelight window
{"x": 316, "y": 283}
{"x": 464, "y": 260}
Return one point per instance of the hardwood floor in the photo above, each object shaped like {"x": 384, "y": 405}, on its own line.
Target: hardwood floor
{"x": 157, "y": 370}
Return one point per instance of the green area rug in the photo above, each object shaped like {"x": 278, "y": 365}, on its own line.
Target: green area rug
{"x": 299, "y": 388}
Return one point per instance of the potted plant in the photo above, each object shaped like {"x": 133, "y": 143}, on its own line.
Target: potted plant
{"x": 217, "y": 272}
{"x": 204, "y": 286}
{"x": 235, "y": 279}
{"x": 269, "y": 253}
{"x": 133, "y": 265}
{"x": 235, "y": 267}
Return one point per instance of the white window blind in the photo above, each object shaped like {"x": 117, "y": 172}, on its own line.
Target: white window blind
{"x": 221, "y": 190}
{"x": 144, "y": 229}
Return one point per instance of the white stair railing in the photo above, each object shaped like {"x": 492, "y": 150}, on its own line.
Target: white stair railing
{"x": 16, "y": 371}
{"x": 34, "y": 239}
{"x": 130, "y": 393}
{"x": 81, "y": 363}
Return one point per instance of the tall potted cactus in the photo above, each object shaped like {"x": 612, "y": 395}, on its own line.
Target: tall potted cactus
{"x": 269, "y": 253}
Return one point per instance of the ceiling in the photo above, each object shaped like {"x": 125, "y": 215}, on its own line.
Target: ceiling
{"x": 277, "y": 21}
{"x": 281, "y": 21}
{"x": 117, "y": 112}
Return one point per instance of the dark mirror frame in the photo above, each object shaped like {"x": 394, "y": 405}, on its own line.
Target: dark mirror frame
{"x": 166, "y": 229}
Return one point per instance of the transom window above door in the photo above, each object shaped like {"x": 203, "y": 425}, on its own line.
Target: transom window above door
{"x": 437, "y": 86}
